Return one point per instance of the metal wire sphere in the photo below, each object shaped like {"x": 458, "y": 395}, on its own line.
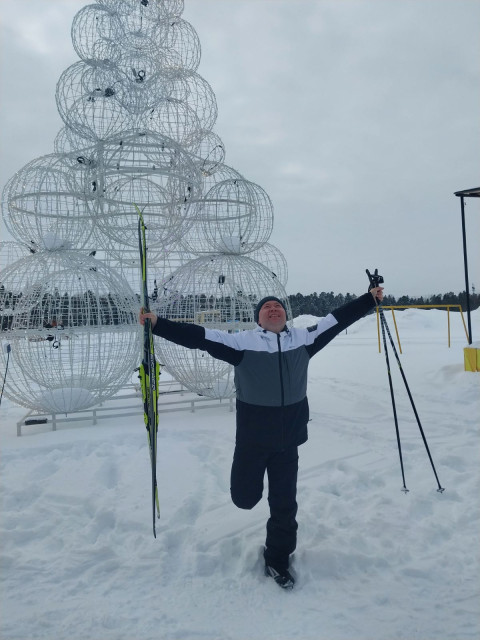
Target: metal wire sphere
{"x": 95, "y": 31}
{"x": 216, "y": 174}
{"x": 152, "y": 172}
{"x": 137, "y": 32}
{"x": 140, "y": 63}
{"x": 218, "y": 292}
{"x": 188, "y": 111}
{"x": 165, "y": 8}
{"x": 162, "y": 262}
{"x": 234, "y": 216}
{"x": 172, "y": 8}
{"x": 49, "y": 202}
{"x": 68, "y": 141}
{"x": 73, "y": 330}
{"x": 138, "y": 83}
{"x": 141, "y": 10}
{"x": 102, "y": 31}
{"x": 12, "y": 251}
{"x": 87, "y": 102}
{"x": 191, "y": 89}
{"x": 165, "y": 264}
{"x": 180, "y": 47}
{"x": 117, "y": 255}
{"x": 173, "y": 119}
{"x": 120, "y": 7}
{"x": 208, "y": 152}
{"x": 194, "y": 239}
{"x": 273, "y": 259}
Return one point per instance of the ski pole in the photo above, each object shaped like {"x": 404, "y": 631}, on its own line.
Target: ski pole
{"x": 397, "y": 357}
{"x": 417, "y": 417}
{"x": 375, "y": 283}
{"x": 8, "y": 349}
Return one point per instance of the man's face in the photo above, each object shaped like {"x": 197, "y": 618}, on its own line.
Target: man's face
{"x": 272, "y": 316}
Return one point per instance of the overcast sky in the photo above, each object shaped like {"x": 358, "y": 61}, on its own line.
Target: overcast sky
{"x": 360, "y": 118}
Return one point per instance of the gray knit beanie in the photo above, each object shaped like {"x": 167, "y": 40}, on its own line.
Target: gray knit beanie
{"x": 263, "y": 301}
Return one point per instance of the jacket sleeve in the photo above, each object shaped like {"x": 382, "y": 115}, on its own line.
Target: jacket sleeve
{"x": 353, "y": 311}
{"x": 187, "y": 335}
{"x": 344, "y": 316}
{"x": 192, "y": 336}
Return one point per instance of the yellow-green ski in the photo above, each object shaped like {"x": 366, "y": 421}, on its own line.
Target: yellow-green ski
{"x": 149, "y": 372}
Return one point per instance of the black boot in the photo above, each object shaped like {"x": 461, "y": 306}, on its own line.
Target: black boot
{"x": 283, "y": 578}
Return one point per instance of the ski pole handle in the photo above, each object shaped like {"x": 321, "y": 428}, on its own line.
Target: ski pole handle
{"x": 375, "y": 280}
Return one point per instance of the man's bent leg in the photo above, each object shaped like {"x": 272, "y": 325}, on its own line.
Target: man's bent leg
{"x": 246, "y": 480}
{"x": 282, "y": 526}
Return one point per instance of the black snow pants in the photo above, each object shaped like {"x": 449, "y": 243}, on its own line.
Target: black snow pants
{"x": 248, "y": 471}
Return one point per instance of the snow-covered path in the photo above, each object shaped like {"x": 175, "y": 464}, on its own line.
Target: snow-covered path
{"x": 79, "y": 559}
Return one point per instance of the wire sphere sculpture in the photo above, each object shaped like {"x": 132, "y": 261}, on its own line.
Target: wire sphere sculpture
{"x": 152, "y": 172}
{"x": 179, "y": 47}
{"x": 12, "y": 251}
{"x": 146, "y": 8}
{"x": 125, "y": 47}
{"x": 191, "y": 89}
{"x": 68, "y": 142}
{"x": 138, "y": 131}
{"x": 87, "y": 102}
{"x": 217, "y": 292}
{"x": 173, "y": 8}
{"x": 194, "y": 240}
{"x": 173, "y": 119}
{"x": 208, "y": 152}
{"x": 49, "y": 202}
{"x": 182, "y": 106}
{"x": 139, "y": 27}
{"x": 72, "y": 325}
{"x": 94, "y": 33}
{"x": 217, "y": 174}
{"x": 273, "y": 259}
{"x": 162, "y": 262}
{"x": 138, "y": 83}
{"x": 132, "y": 24}
{"x": 234, "y": 216}
{"x": 138, "y": 17}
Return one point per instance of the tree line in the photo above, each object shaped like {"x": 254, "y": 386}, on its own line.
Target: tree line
{"x": 55, "y": 310}
{"x": 111, "y": 309}
{"x": 320, "y": 304}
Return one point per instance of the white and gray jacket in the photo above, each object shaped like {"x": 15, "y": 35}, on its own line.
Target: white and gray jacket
{"x": 270, "y": 370}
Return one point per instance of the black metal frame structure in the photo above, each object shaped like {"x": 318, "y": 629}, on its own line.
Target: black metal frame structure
{"x": 467, "y": 193}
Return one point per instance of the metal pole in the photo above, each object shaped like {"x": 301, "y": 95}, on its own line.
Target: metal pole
{"x": 465, "y": 262}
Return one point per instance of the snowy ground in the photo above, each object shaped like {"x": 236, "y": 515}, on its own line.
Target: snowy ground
{"x": 79, "y": 560}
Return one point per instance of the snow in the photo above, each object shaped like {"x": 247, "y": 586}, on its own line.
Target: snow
{"x": 79, "y": 559}
{"x": 66, "y": 399}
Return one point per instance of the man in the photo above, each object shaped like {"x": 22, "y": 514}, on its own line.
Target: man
{"x": 271, "y": 365}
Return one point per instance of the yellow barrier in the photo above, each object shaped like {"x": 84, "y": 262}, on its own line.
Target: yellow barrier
{"x": 471, "y": 358}
{"x": 420, "y": 306}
